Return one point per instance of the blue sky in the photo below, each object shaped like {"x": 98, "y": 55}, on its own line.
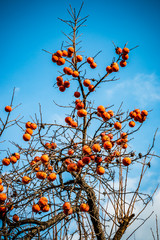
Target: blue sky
{"x": 27, "y": 27}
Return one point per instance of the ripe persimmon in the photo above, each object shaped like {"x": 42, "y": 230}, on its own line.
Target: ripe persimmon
{"x": 132, "y": 114}
{"x": 53, "y": 145}
{"x": 126, "y": 161}
{"x": 79, "y": 105}
{"x": 84, "y": 207}
{"x": 65, "y": 70}
{"x": 93, "y": 65}
{"x": 115, "y": 67}
{"x": 68, "y": 212}
{"x": 70, "y": 71}
{"x": 59, "y": 53}
{"x": 50, "y": 168}
{"x": 75, "y": 74}
{"x": 59, "y": 78}
{"x": 77, "y": 94}
{"x": 28, "y": 124}
{"x": 109, "y": 69}
{"x": 48, "y": 145}
{"x": 72, "y": 167}
{"x": 79, "y": 58}
{"x": 74, "y": 124}
{"x": 61, "y": 61}
{"x": 101, "y": 109}
{"x": 105, "y": 138}
{"x": 117, "y": 125}
{"x": 66, "y": 206}
{"x": 45, "y": 208}
{"x": 70, "y": 54}
{"x": 67, "y": 161}
{"x": 52, "y": 177}
{"x": 71, "y": 50}
{"x": 26, "y": 179}
{"x": 8, "y": 108}
{"x": 62, "y": 88}
{"x": 86, "y": 82}
{"x": 124, "y": 146}
{"x": 1, "y": 188}
{"x": 106, "y": 116}
{"x": 64, "y": 53}
{"x": 144, "y": 113}
{"x": 86, "y": 149}
{"x": 29, "y": 131}
{"x": 91, "y": 88}
{"x": 70, "y": 152}
{"x": 118, "y": 50}
{"x": 98, "y": 159}
{"x": 80, "y": 164}
{"x": 36, "y": 208}
{"x": 41, "y": 175}
{"x": 26, "y": 137}
{"x": 15, "y": 218}
{"x": 137, "y": 110}
{"x": 66, "y": 84}
{"x": 107, "y": 145}
{"x": 6, "y": 161}
{"x": 90, "y": 60}
{"x": 125, "y": 56}
{"x": 81, "y": 113}
{"x": 17, "y": 155}
{"x": 44, "y": 158}
{"x": 13, "y": 159}
{"x": 124, "y": 135}
{"x": 54, "y": 58}
{"x": 43, "y": 201}
{"x": 132, "y": 123}
{"x": 3, "y": 197}
{"x": 86, "y": 160}
{"x": 123, "y": 63}
{"x": 125, "y": 50}
{"x": 68, "y": 120}
{"x": 33, "y": 126}
{"x": 111, "y": 113}
{"x": 96, "y": 147}
{"x": 100, "y": 170}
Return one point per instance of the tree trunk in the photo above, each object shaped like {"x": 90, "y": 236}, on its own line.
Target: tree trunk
{"x": 121, "y": 230}
{"x": 94, "y": 212}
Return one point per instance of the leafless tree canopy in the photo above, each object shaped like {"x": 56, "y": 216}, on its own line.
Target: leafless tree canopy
{"x": 84, "y": 162}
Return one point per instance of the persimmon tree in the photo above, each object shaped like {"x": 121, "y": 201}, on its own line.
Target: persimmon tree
{"x": 70, "y": 180}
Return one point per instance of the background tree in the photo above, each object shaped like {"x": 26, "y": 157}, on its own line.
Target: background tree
{"x": 75, "y": 173}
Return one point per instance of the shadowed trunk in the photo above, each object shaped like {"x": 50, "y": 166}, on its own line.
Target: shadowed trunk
{"x": 94, "y": 212}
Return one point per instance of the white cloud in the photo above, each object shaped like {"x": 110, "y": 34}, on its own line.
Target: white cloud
{"x": 144, "y": 88}
{"x": 17, "y": 89}
{"x": 143, "y": 232}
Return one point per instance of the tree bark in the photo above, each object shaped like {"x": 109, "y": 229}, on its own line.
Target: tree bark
{"x": 121, "y": 230}
{"x": 94, "y": 212}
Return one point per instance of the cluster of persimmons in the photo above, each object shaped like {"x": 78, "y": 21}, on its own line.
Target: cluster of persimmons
{"x": 91, "y": 153}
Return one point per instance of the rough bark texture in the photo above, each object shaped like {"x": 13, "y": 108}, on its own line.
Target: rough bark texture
{"x": 94, "y": 213}
{"x": 121, "y": 230}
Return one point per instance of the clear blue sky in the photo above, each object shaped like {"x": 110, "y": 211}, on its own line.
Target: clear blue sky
{"x": 29, "y": 26}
